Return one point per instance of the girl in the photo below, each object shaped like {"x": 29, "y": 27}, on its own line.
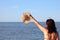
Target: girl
{"x": 50, "y": 32}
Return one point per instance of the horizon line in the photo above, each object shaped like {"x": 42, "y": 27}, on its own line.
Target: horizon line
{"x": 44, "y": 21}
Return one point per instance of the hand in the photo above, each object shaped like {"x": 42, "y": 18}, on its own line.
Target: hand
{"x": 28, "y": 14}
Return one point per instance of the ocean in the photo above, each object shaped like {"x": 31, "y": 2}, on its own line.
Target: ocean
{"x": 21, "y": 31}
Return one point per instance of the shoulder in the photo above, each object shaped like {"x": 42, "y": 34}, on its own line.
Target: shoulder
{"x": 46, "y": 30}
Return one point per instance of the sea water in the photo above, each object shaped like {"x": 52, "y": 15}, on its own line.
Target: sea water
{"x": 21, "y": 31}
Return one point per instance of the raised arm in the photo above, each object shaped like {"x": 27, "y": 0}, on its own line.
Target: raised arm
{"x": 42, "y": 28}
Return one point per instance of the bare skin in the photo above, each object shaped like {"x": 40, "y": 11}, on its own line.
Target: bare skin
{"x": 47, "y": 36}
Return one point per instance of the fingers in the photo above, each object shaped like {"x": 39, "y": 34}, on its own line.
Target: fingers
{"x": 26, "y": 17}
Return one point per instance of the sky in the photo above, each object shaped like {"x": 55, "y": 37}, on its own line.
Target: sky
{"x": 41, "y": 10}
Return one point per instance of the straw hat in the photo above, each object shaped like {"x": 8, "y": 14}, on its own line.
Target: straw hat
{"x": 25, "y": 17}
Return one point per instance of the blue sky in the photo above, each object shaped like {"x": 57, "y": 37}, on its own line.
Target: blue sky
{"x": 11, "y": 10}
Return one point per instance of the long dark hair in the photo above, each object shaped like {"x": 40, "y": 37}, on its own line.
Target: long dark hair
{"x": 51, "y": 26}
